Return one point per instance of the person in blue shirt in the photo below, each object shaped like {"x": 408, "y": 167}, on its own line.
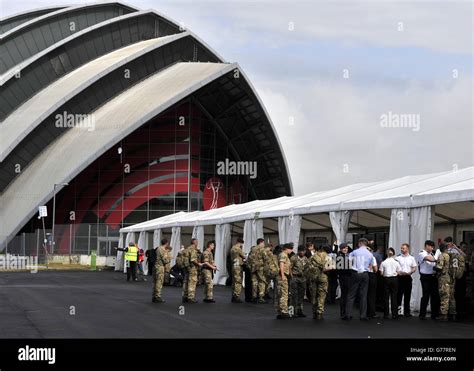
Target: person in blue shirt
{"x": 361, "y": 263}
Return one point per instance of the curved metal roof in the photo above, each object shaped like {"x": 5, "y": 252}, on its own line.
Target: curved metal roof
{"x": 14, "y": 20}
{"x": 29, "y": 115}
{"x": 64, "y": 56}
{"x": 31, "y": 127}
{"x": 29, "y": 38}
{"x": 68, "y": 73}
{"x": 79, "y": 147}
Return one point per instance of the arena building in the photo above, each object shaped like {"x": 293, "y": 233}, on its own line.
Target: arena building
{"x": 111, "y": 116}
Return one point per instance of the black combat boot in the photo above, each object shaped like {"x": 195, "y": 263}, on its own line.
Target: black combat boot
{"x": 236, "y": 299}
{"x": 262, "y": 301}
{"x": 442, "y": 318}
{"x": 157, "y": 300}
{"x": 209, "y": 301}
{"x": 300, "y": 314}
{"x": 191, "y": 301}
{"x": 283, "y": 316}
{"x": 184, "y": 300}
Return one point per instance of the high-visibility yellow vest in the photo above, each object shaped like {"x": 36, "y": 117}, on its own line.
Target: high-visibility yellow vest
{"x": 131, "y": 254}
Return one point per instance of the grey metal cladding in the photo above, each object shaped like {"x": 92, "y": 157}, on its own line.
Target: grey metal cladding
{"x": 9, "y": 23}
{"x": 106, "y": 88}
{"x": 76, "y": 52}
{"x": 38, "y": 36}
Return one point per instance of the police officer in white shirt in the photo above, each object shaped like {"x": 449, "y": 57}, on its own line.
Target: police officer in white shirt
{"x": 429, "y": 281}
{"x": 389, "y": 270}
{"x": 408, "y": 265}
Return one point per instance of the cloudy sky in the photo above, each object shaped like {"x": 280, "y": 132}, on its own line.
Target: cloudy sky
{"x": 335, "y": 76}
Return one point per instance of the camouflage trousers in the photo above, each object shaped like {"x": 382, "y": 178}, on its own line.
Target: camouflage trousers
{"x": 258, "y": 284}
{"x": 298, "y": 289}
{"x": 192, "y": 283}
{"x": 446, "y": 296}
{"x": 208, "y": 285}
{"x": 185, "y": 284}
{"x": 319, "y": 290}
{"x": 158, "y": 278}
{"x": 236, "y": 281}
{"x": 282, "y": 295}
{"x": 268, "y": 286}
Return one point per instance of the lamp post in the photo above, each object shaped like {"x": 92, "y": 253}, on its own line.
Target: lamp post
{"x": 54, "y": 213}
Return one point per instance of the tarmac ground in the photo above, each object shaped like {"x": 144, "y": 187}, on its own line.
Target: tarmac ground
{"x": 102, "y": 304}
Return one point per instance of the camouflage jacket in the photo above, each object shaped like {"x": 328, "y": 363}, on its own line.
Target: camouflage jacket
{"x": 162, "y": 257}
{"x": 442, "y": 267}
{"x": 283, "y": 258}
{"x": 193, "y": 257}
{"x": 237, "y": 255}
{"x": 298, "y": 266}
{"x": 207, "y": 257}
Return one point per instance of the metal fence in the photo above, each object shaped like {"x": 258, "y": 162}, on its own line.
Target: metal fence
{"x": 70, "y": 239}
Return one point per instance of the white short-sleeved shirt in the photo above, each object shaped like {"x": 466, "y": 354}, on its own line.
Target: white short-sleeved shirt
{"x": 374, "y": 264}
{"x": 406, "y": 262}
{"x": 426, "y": 267}
{"x": 390, "y": 267}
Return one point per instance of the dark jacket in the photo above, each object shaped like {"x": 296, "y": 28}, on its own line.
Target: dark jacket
{"x": 151, "y": 255}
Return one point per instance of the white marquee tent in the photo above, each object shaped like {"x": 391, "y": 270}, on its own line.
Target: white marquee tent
{"x": 408, "y": 204}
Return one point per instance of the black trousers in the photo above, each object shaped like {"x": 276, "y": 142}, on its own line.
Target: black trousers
{"x": 151, "y": 266}
{"x": 332, "y": 287}
{"x": 132, "y": 271}
{"x": 248, "y": 285}
{"x": 371, "y": 294}
{"x": 390, "y": 295}
{"x": 429, "y": 286}
{"x": 358, "y": 288}
{"x": 460, "y": 296}
{"x": 379, "y": 297}
{"x": 344, "y": 284}
{"x": 404, "y": 291}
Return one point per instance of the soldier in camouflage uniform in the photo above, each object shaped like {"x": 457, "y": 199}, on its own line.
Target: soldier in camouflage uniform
{"x": 186, "y": 263}
{"x": 162, "y": 259}
{"x": 258, "y": 275}
{"x": 298, "y": 280}
{"x": 237, "y": 258}
{"x": 193, "y": 272}
{"x": 445, "y": 284}
{"x": 208, "y": 269}
{"x": 282, "y": 281}
{"x": 269, "y": 275}
{"x": 318, "y": 265}
{"x": 166, "y": 281}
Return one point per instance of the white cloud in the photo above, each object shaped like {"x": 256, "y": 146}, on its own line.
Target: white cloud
{"x": 337, "y": 123}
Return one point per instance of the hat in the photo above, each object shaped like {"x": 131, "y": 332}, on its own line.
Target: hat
{"x": 288, "y": 245}
{"x": 342, "y": 245}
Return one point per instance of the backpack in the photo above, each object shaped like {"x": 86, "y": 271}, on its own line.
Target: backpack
{"x": 457, "y": 265}
{"x": 250, "y": 259}
{"x": 271, "y": 268}
{"x": 179, "y": 260}
{"x": 315, "y": 266}
{"x": 185, "y": 257}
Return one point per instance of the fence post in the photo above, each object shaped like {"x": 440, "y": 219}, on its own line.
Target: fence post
{"x": 37, "y": 242}
{"x": 23, "y": 241}
{"x": 70, "y": 242}
{"x": 89, "y": 241}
